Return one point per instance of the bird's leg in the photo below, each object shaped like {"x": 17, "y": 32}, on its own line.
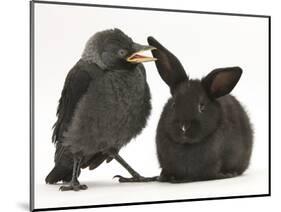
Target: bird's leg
{"x": 74, "y": 183}
{"x": 136, "y": 177}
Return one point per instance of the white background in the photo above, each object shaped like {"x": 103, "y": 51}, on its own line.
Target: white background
{"x": 15, "y": 106}
{"x": 202, "y": 42}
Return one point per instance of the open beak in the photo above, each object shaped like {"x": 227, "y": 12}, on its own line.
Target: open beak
{"x": 137, "y": 57}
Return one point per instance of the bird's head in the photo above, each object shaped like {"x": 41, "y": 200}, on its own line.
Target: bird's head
{"x": 114, "y": 49}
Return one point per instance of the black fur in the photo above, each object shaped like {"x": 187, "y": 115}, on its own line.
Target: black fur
{"x": 203, "y": 133}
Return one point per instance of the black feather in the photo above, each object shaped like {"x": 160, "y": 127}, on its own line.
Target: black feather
{"x": 105, "y": 103}
{"x": 75, "y": 86}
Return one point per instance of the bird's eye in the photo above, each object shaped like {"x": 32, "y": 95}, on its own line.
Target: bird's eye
{"x": 201, "y": 107}
{"x": 122, "y": 52}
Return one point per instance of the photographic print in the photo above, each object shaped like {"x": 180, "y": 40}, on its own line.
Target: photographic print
{"x": 146, "y": 105}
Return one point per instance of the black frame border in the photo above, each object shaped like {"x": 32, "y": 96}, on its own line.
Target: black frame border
{"x": 31, "y": 102}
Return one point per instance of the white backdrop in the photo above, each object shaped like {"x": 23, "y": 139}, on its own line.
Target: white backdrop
{"x": 201, "y": 42}
{"x": 15, "y": 104}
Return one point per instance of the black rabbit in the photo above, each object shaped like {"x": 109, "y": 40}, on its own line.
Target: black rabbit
{"x": 203, "y": 133}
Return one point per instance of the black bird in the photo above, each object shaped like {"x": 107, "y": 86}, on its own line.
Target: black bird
{"x": 105, "y": 103}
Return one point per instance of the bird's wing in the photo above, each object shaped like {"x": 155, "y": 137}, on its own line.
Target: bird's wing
{"x": 75, "y": 86}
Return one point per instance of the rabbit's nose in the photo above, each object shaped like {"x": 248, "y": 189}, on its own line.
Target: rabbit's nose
{"x": 185, "y": 127}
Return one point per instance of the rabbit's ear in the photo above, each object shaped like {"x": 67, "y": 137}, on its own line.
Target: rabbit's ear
{"x": 221, "y": 81}
{"x": 168, "y": 65}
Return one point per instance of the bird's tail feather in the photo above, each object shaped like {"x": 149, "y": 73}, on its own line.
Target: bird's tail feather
{"x": 59, "y": 173}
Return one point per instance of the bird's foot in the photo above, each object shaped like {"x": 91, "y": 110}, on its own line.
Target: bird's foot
{"x": 73, "y": 187}
{"x": 135, "y": 179}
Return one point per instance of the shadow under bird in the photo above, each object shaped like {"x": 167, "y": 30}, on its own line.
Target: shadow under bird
{"x": 105, "y": 103}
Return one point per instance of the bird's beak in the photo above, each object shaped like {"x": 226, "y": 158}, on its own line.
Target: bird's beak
{"x": 136, "y": 57}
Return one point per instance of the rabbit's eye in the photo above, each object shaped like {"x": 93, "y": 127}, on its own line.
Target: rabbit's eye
{"x": 201, "y": 107}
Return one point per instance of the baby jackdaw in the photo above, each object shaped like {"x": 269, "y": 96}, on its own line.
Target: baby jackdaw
{"x": 105, "y": 103}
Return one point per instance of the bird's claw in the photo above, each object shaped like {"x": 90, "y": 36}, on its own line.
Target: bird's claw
{"x": 73, "y": 187}
{"x": 135, "y": 179}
